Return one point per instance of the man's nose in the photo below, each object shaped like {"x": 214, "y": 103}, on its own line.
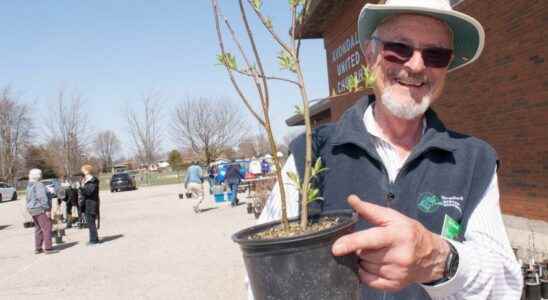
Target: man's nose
{"x": 416, "y": 62}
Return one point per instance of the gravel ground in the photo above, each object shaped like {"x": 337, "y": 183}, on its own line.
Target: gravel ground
{"x": 155, "y": 247}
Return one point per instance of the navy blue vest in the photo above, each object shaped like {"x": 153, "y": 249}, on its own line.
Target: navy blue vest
{"x": 446, "y": 174}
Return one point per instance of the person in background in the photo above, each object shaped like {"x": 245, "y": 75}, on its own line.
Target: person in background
{"x": 39, "y": 207}
{"x": 71, "y": 201}
{"x": 80, "y": 204}
{"x": 211, "y": 173}
{"x": 61, "y": 201}
{"x": 90, "y": 197}
{"x": 255, "y": 167}
{"x": 265, "y": 167}
{"x": 233, "y": 178}
{"x": 193, "y": 184}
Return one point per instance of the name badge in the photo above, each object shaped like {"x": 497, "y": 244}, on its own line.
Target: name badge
{"x": 451, "y": 228}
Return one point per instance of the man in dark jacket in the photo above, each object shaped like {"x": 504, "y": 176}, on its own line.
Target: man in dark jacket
{"x": 430, "y": 221}
{"x": 90, "y": 197}
{"x": 233, "y": 178}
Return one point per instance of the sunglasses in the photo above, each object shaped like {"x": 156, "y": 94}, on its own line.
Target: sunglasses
{"x": 400, "y": 53}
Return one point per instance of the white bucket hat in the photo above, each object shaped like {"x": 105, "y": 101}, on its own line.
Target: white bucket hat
{"x": 468, "y": 34}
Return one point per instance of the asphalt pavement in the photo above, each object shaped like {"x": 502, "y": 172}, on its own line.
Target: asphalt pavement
{"x": 154, "y": 247}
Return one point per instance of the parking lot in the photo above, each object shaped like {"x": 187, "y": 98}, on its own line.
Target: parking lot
{"x": 154, "y": 247}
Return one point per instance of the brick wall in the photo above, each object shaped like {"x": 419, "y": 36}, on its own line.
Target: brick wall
{"x": 339, "y": 30}
{"x": 503, "y": 99}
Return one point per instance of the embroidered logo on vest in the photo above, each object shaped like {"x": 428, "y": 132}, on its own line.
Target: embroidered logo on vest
{"x": 429, "y": 203}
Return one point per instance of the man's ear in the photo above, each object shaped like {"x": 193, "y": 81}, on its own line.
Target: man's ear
{"x": 368, "y": 54}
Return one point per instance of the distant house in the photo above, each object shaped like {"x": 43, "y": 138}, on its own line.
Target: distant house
{"x": 123, "y": 167}
{"x": 162, "y": 164}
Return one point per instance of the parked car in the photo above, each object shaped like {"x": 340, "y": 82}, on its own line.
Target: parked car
{"x": 7, "y": 192}
{"x": 52, "y": 185}
{"x": 122, "y": 181}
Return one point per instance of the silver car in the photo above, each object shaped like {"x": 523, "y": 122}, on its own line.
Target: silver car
{"x": 7, "y": 192}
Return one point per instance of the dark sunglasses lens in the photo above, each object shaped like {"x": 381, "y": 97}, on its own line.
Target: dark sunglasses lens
{"x": 399, "y": 49}
{"x": 437, "y": 57}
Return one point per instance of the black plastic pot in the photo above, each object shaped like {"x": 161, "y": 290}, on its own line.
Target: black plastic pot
{"x": 58, "y": 237}
{"x": 544, "y": 288}
{"x": 532, "y": 289}
{"x": 301, "y": 267}
{"x": 249, "y": 208}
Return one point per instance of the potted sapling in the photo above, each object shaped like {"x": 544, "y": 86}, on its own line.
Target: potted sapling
{"x": 289, "y": 258}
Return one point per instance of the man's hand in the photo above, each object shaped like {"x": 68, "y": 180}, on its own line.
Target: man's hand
{"x": 394, "y": 253}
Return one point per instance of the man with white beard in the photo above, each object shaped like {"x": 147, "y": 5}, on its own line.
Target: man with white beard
{"x": 428, "y": 198}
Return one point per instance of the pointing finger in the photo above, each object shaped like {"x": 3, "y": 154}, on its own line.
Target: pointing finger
{"x": 372, "y": 213}
{"x": 371, "y": 239}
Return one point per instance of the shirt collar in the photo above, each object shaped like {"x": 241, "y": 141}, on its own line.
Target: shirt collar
{"x": 373, "y": 127}
{"x": 352, "y": 129}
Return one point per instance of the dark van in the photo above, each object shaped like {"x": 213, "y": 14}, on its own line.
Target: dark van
{"x": 122, "y": 182}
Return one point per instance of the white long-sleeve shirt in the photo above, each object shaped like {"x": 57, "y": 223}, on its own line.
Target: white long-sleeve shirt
{"x": 487, "y": 267}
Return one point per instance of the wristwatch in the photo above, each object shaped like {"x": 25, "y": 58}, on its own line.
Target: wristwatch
{"x": 452, "y": 263}
{"x": 451, "y": 266}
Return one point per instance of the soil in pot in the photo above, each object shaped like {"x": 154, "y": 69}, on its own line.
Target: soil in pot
{"x": 301, "y": 266}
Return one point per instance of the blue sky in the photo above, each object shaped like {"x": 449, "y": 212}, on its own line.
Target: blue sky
{"x": 113, "y": 52}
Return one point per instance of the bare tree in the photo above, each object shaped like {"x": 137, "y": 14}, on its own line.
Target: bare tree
{"x": 15, "y": 130}
{"x": 106, "y": 145}
{"x": 254, "y": 145}
{"x": 39, "y": 157}
{"x": 145, "y": 129}
{"x": 207, "y": 126}
{"x": 69, "y": 127}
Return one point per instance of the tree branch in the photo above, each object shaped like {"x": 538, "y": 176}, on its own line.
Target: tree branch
{"x": 243, "y": 72}
{"x": 269, "y": 28}
{"x": 266, "y": 99}
{"x": 231, "y": 75}
{"x": 255, "y": 75}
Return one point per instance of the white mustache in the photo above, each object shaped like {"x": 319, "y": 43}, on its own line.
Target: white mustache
{"x": 406, "y": 77}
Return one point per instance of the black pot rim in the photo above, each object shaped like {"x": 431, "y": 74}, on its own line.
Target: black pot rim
{"x": 240, "y": 237}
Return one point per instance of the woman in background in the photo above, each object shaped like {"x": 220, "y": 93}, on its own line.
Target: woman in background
{"x": 39, "y": 207}
{"x": 90, "y": 197}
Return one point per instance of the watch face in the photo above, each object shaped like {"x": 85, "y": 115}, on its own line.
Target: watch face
{"x": 453, "y": 263}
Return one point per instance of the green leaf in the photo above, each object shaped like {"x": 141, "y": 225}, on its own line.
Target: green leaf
{"x": 294, "y": 178}
{"x": 299, "y": 110}
{"x": 268, "y": 22}
{"x": 257, "y": 4}
{"x": 352, "y": 83}
{"x": 368, "y": 77}
{"x": 227, "y": 60}
{"x": 286, "y": 61}
{"x": 318, "y": 168}
{"x": 318, "y": 164}
{"x": 313, "y": 194}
